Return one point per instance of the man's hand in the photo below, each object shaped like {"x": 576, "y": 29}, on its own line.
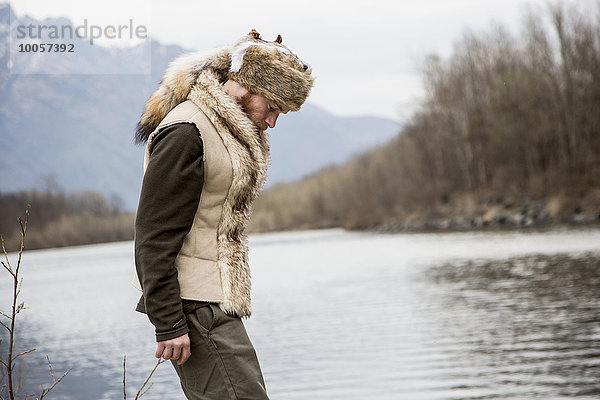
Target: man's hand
{"x": 176, "y": 349}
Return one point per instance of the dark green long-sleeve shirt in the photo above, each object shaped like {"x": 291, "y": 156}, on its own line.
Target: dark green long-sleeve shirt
{"x": 168, "y": 202}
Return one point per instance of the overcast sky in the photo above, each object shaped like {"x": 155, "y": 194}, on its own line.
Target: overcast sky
{"x": 366, "y": 56}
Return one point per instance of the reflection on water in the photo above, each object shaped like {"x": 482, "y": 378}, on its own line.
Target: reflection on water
{"x": 530, "y": 326}
{"x": 341, "y": 315}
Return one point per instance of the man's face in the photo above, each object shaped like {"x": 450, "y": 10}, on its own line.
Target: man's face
{"x": 261, "y": 111}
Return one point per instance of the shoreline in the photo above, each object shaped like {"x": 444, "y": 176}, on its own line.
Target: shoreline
{"x": 478, "y": 223}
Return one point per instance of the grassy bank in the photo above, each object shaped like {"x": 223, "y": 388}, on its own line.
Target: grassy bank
{"x": 59, "y": 219}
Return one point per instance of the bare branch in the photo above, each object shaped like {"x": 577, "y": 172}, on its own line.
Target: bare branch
{"x": 4, "y": 325}
{"x": 54, "y": 380}
{"x": 10, "y": 362}
{"x": 124, "y": 387}
{"x": 50, "y": 366}
{"x": 55, "y": 383}
{"x": 22, "y": 227}
{"x": 19, "y": 286}
{"x": 23, "y": 231}
{"x": 148, "y": 388}
{"x": 5, "y": 267}
{"x": 23, "y": 353}
{"x": 141, "y": 392}
{"x": 9, "y": 268}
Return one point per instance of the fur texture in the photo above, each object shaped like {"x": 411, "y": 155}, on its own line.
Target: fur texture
{"x": 271, "y": 70}
{"x": 176, "y": 84}
{"x": 249, "y": 152}
{"x": 268, "y": 69}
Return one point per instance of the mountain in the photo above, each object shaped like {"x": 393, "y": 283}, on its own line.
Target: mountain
{"x": 78, "y": 127}
{"x": 303, "y": 142}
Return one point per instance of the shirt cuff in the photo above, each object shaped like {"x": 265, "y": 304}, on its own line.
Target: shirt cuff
{"x": 180, "y": 329}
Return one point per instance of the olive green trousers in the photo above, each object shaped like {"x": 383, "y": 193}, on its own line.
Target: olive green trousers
{"x": 223, "y": 364}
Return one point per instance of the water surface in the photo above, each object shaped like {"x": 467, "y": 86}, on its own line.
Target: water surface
{"x": 341, "y": 315}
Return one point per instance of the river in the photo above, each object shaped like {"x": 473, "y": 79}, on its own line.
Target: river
{"x": 344, "y": 315}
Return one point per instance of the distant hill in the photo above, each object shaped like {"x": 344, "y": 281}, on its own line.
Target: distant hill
{"x": 79, "y": 128}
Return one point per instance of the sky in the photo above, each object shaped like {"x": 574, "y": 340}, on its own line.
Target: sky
{"x": 366, "y": 56}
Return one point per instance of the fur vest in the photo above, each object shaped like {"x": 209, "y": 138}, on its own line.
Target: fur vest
{"x": 212, "y": 264}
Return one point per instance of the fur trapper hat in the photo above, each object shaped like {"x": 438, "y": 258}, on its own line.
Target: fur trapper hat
{"x": 265, "y": 68}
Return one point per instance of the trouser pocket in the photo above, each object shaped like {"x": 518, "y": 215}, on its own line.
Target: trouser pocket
{"x": 203, "y": 318}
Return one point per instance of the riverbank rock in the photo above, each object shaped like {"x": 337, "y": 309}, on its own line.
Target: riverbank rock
{"x": 499, "y": 213}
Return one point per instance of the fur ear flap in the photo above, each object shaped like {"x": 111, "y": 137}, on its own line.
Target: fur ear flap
{"x": 254, "y": 34}
{"x": 279, "y": 39}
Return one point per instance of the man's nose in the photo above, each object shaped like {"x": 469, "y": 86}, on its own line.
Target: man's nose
{"x": 271, "y": 120}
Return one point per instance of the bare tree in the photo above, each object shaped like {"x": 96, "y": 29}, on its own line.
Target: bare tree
{"x": 504, "y": 116}
{"x": 10, "y": 324}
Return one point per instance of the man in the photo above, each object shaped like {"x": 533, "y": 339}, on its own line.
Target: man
{"x": 206, "y": 158}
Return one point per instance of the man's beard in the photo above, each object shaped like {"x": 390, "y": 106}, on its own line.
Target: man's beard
{"x": 245, "y": 101}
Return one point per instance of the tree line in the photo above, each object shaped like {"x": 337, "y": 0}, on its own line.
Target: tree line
{"x": 505, "y": 118}
{"x": 61, "y": 219}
